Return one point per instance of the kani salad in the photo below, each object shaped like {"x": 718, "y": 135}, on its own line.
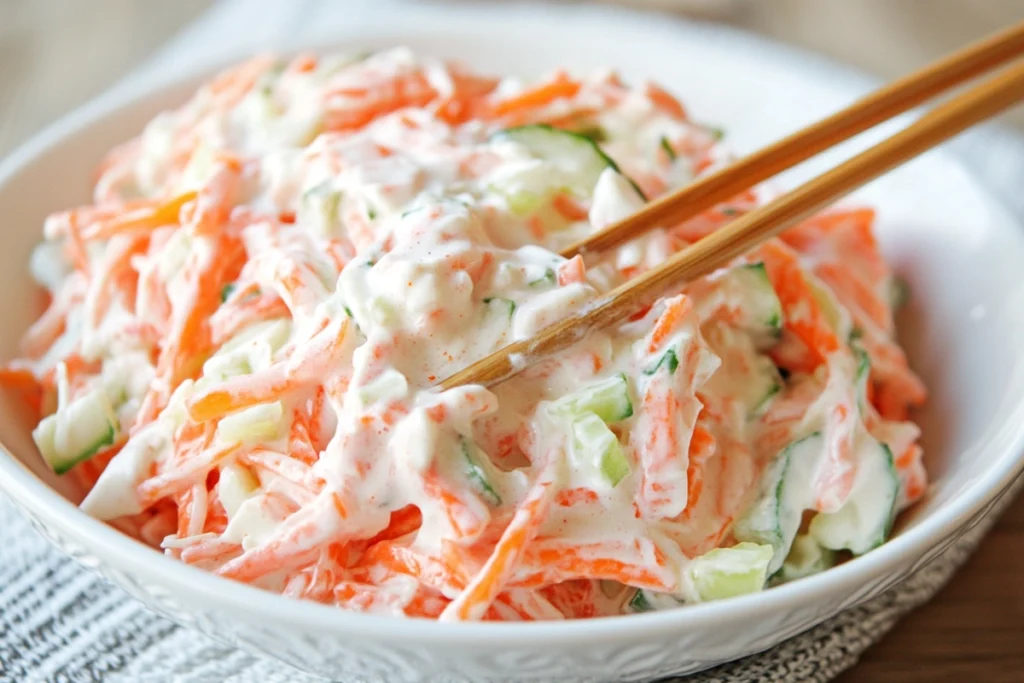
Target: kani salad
{"x": 245, "y": 326}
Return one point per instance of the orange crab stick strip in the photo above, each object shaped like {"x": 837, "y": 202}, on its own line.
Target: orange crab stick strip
{"x": 466, "y": 514}
{"x": 214, "y": 201}
{"x": 295, "y": 543}
{"x": 473, "y": 602}
{"x": 176, "y": 480}
{"x": 535, "y": 98}
{"x": 676, "y": 310}
{"x": 144, "y": 218}
{"x": 802, "y": 314}
{"x": 553, "y": 562}
{"x": 702, "y": 447}
{"x": 236, "y": 393}
{"x": 243, "y": 310}
{"x": 395, "y": 558}
{"x": 244, "y": 391}
{"x": 189, "y": 334}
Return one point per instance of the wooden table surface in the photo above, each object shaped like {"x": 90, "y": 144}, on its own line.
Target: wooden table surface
{"x": 54, "y": 54}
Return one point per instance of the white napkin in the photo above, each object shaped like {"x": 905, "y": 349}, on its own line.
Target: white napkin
{"x": 59, "y": 622}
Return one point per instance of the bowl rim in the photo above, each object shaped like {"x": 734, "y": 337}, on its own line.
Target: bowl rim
{"x": 32, "y": 493}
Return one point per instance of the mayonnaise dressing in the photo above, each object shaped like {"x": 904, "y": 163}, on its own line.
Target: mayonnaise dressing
{"x": 373, "y": 199}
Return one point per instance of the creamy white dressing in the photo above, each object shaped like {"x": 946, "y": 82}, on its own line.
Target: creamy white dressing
{"x": 438, "y": 244}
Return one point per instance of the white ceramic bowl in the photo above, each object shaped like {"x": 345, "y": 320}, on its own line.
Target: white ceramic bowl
{"x": 958, "y": 248}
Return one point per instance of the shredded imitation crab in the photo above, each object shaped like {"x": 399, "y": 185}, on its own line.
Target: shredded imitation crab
{"x": 244, "y": 327}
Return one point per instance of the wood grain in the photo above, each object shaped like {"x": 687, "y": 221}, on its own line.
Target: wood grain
{"x": 972, "y": 631}
{"x": 54, "y": 54}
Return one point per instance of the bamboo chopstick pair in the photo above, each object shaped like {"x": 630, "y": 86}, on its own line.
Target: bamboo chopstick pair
{"x": 955, "y": 115}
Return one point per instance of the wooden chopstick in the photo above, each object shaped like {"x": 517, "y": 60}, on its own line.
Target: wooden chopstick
{"x": 881, "y": 105}
{"x": 977, "y": 104}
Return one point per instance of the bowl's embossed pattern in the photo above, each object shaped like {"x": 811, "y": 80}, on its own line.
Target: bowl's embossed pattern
{"x": 356, "y": 660}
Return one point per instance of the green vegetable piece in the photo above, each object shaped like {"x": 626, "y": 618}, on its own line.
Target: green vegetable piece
{"x": 545, "y": 280}
{"x": 668, "y": 148}
{"x": 506, "y": 305}
{"x": 593, "y": 133}
{"x": 774, "y": 516}
{"x": 899, "y": 293}
{"x": 476, "y": 473}
{"x": 599, "y": 446}
{"x": 728, "y": 572}
{"x": 608, "y": 399}
{"x": 805, "y": 558}
{"x": 639, "y": 603}
{"x": 86, "y": 426}
{"x": 669, "y": 359}
{"x": 580, "y": 157}
{"x": 865, "y": 520}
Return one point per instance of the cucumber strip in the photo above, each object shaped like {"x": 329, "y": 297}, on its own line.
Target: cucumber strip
{"x": 649, "y": 601}
{"x": 771, "y": 389}
{"x": 506, "y": 306}
{"x": 235, "y": 485}
{"x": 77, "y": 431}
{"x": 547, "y": 279}
{"x": 255, "y": 424}
{"x": 862, "y": 375}
{"x": 774, "y": 516}
{"x": 578, "y": 158}
{"x": 524, "y": 203}
{"x": 597, "y": 446}
{"x": 837, "y": 317}
{"x": 594, "y": 133}
{"x": 806, "y": 557}
{"x": 761, "y": 312}
{"x": 608, "y": 399}
{"x": 390, "y": 384}
{"x": 728, "y": 572}
{"x": 324, "y": 202}
{"x": 669, "y": 359}
{"x": 668, "y": 148}
{"x": 639, "y": 603}
{"x": 382, "y": 311}
{"x": 752, "y": 376}
{"x": 899, "y": 293}
{"x": 865, "y": 519}
{"x": 476, "y": 473}
{"x": 762, "y": 385}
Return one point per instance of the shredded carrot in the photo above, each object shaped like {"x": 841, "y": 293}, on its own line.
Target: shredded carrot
{"x": 560, "y": 87}
{"x": 482, "y": 590}
{"x": 664, "y": 101}
{"x": 570, "y": 209}
{"x": 463, "y": 511}
{"x": 143, "y": 218}
{"x": 572, "y": 271}
{"x": 240, "y": 392}
{"x": 802, "y": 314}
{"x": 267, "y": 286}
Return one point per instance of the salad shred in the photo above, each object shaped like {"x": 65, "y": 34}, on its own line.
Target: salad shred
{"x": 245, "y": 325}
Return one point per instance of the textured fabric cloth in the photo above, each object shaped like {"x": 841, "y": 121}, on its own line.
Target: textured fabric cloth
{"x": 59, "y": 622}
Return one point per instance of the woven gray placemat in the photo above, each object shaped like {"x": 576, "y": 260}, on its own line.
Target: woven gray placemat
{"x": 62, "y": 623}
